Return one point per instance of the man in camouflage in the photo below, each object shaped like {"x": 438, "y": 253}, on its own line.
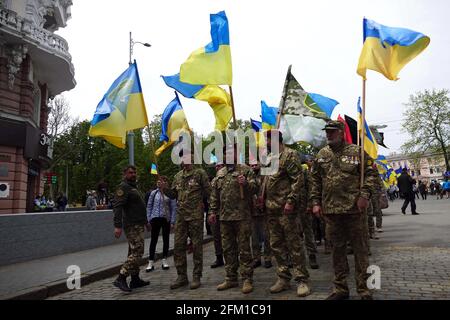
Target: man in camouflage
{"x": 260, "y": 233}
{"x": 130, "y": 215}
{"x": 281, "y": 192}
{"x": 189, "y": 187}
{"x": 230, "y": 202}
{"x": 337, "y": 195}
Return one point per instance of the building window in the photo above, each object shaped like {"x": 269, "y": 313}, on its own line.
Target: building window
{"x": 431, "y": 170}
{"x": 437, "y": 169}
{"x": 37, "y": 105}
{"x": 419, "y": 173}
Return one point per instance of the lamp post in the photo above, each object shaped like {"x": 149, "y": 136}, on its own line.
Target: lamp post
{"x": 131, "y": 133}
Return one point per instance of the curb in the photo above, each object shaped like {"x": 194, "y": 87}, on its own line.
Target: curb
{"x": 54, "y": 288}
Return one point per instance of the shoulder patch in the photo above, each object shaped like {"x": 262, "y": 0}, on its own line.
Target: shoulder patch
{"x": 119, "y": 193}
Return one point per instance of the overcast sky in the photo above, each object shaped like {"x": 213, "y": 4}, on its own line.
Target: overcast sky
{"x": 322, "y": 39}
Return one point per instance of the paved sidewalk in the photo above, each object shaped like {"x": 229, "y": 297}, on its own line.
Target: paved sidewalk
{"x": 413, "y": 255}
{"x": 46, "y": 274}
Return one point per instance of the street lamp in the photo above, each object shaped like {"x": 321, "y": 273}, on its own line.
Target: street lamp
{"x": 131, "y": 133}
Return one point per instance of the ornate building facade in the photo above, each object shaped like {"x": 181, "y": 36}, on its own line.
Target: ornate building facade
{"x": 427, "y": 167}
{"x": 35, "y": 65}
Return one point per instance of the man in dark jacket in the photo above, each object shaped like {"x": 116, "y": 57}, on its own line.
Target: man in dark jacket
{"x": 405, "y": 185}
{"x": 130, "y": 215}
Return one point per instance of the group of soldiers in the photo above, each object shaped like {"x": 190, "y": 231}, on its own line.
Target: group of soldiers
{"x": 280, "y": 205}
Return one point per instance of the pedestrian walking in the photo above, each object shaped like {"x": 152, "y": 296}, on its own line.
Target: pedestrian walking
{"x": 161, "y": 214}
{"x": 405, "y": 184}
{"x": 130, "y": 217}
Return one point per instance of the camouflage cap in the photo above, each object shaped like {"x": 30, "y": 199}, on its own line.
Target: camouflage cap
{"x": 334, "y": 125}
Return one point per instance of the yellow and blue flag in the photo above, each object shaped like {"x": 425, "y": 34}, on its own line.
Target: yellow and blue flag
{"x": 211, "y": 64}
{"x": 320, "y": 105}
{"x": 154, "y": 170}
{"x": 122, "y": 109}
{"x": 370, "y": 144}
{"x": 217, "y": 98}
{"x": 258, "y": 127}
{"x": 269, "y": 116}
{"x": 387, "y": 49}
{"x": 173, "y": 123}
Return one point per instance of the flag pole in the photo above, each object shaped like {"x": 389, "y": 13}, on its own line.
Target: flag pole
{"x": 363, "y": 129}
{"x": 241, "y": 188}
{"x": 280, "y": 112}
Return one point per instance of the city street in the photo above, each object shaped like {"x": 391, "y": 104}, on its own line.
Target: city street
{"x": 413, "y": 254}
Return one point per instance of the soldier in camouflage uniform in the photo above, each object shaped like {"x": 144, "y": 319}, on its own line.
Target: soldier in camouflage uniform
{"x": 189, "y": 187}
{"x": 336, "y": 194}
{"x": 260, "y": 233}
{"x": 374, "y": 210}
{"x": 130, "y": 215}
{"x": 281, "y": 192}
{"x": 233, "y": 210}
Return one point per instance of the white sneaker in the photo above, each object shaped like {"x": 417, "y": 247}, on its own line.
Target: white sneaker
{"x": 379, "y": 230}
{"x": 150, "y": 266}
{"x": 165, "y": 265}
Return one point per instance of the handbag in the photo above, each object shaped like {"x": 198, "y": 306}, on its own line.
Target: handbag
{"x": 383, "y": 200}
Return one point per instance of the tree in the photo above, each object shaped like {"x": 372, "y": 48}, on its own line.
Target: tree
{"x": 427, "y": 121}
{"x": 59, "y": 120}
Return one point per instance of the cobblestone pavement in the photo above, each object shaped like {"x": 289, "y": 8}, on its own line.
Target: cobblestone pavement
{"x": 410, "y": 270}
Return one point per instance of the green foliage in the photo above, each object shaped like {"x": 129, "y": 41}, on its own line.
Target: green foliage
{"x": 427, "y": 121}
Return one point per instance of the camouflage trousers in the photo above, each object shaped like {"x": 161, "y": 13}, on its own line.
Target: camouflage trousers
{"x": 349, "y": 228}
{"x": 260, "y": 238}
{"x": 285, "y": 240}
{"x": 135, "y": 237}
{"x": 236, "y": 249}
{"x": 184, "y": 230}
{"x": 305, "y": 227}
{"x": 215, "y": 228}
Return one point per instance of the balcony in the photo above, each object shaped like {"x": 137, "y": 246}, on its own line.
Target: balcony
{"x": 49, "y": 52}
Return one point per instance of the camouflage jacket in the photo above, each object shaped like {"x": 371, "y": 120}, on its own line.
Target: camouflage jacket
{"x": 128, "y": 206}
{"x": 336, "y": 179}
{"x": 286, "y": 185}
{"x": 255, "y": 212}
{"x": 189, "y": 188}
{"x": 226, "y": 199}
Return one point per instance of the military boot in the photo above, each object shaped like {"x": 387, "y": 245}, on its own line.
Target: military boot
{"x": 313, "y": 261}
{"x": 338, "y": 296}
{"x": 303, "y": 289}
{"x": 195, "y": 284}
{"x": 247, "y": 287}
{"x": 180, "y": 282}
{"x": 121, "y": 283}
{"x": 281, "y": 285}
{"x": 227, "y": 284}
{"x": 219, "y": 262}
{"x": 137, "y": 282}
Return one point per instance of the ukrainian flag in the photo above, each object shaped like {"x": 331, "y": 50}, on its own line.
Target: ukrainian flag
{"x": 122, "y": 109}
{"x": 387, "y": 50}
{"x": 269, "y": 116}
{"x": 218, "y": 99}
{"x": 370, "y": 144}
{"x": 258, "y": 127}
{"x": 320, "y": 105}
{"x": 211, "y": 64}
{"x": 173, "y": 123}
{"x": 154, "y": 169}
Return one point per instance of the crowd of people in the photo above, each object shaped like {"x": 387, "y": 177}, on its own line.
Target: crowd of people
{"x": 41, "y": 204}
{"x": 257, "y": 219}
